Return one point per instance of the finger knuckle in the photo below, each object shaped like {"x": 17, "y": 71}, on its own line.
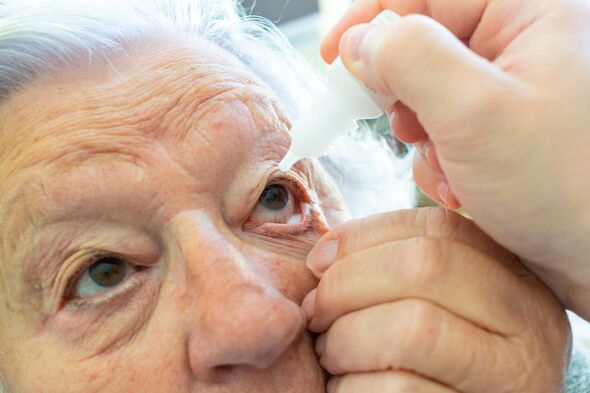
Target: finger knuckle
{"x": 422, "y": 328}
{"x": 439, "y": 221}
{"x": 398, "y": 217}
{"x": 429, "y": 262}
{"x": 418, "y": 28}
{"x": 411, "y": 35}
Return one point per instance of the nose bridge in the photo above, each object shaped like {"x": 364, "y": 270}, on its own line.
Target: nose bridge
{"x": 236, "y": 317}
{"x": 208, "y": 255}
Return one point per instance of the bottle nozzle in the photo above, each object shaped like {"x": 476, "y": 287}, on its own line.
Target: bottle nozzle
{"x": 288, "y": 161}
{"x": 334, "y": 112}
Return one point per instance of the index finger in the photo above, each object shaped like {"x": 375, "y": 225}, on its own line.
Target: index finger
{"x": 461, "y": 17}
{"x": 360, "y": 234}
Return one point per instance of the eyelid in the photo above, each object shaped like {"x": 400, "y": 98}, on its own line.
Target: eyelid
{"x": 72, "y": 248}
{"x": 301, "y": 191}
{"x": 295, "y": 185}
{"x": 306, "y": 205}
{"x": 74, "y": 264}
{"x": 83, "y": 267}
{"x": 79, "y": 262}
{"x": 129, "y": 284}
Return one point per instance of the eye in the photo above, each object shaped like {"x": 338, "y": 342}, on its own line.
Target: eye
{"x": 103, "y": 275}
{"x": 275, "y": 197}
{"x": 277, "y": 205}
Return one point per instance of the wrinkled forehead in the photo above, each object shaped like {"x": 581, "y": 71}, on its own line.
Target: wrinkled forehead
{"x": 173, "y": 90}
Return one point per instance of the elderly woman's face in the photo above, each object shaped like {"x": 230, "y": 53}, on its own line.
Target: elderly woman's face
{"x": 149, "y": 242}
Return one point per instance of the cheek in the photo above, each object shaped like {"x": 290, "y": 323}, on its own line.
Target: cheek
{"x": 141, "y": 372}
{"x": 291, "y": 277}
{"x": 282, "y": 263}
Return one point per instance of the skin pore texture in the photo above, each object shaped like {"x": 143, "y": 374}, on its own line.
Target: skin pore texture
{"x": 157, "y": 157}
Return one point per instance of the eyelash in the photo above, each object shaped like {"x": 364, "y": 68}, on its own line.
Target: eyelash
{"x": 300, "y": 190}
{"x": 305, "y": 204}
{"x": 128, "y": 285}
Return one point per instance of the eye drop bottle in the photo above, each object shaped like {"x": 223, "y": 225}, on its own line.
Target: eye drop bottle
{"x": 335, "y": 111}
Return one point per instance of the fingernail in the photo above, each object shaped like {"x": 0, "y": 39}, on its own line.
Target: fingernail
{"x": 320, "y": 344}
{"x": 322, "y": 256}
{"x": 308, "y": 305}
{"x": 332, "y": 384}
{"x": 453, "y": 203}
{"x": 420, "y": 148}
{"x": 391, "y": 115}
{"x": 441, "y": 191}
{"x": 351, "y": 43}
{"x": 431, "y": 157}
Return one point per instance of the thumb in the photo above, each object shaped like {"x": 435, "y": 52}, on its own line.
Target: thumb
{"x": 427, "y": 67}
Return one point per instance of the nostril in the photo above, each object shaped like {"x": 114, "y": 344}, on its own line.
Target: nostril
{"x": 221, "y": 371}
{"x": 216, "y": 374}
{"x": 224, "y": 368}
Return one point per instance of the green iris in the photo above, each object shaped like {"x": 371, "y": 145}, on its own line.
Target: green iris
{"x": 108, "y": 271}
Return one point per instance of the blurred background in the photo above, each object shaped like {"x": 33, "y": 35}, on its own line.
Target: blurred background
{"x": 304, "y": 22}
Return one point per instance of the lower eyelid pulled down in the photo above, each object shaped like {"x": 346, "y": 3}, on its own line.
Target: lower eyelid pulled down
{"x": 311, "y": 222}
{"x": 311, "y": 219}
{"x": 294, "y": 240}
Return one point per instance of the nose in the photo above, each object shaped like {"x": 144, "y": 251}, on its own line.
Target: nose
{"x": 244, "y": 326}
{"x": 237, "y": 317}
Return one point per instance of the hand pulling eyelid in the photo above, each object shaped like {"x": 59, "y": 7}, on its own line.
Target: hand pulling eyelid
{"x": 335, "y": 111}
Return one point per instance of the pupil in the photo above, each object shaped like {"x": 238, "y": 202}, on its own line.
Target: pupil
{"x": 107, "y": 272}
{"x": 274, "y": 197}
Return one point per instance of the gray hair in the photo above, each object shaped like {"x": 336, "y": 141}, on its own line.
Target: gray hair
{"x": 38, "y": 37}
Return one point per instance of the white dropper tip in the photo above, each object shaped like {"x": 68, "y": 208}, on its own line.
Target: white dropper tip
{"x": 288, "y": 161}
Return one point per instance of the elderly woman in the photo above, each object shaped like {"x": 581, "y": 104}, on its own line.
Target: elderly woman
{"x": 149, "y": 242}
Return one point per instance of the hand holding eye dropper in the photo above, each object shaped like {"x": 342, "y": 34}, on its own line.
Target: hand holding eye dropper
{"x": 335, "y": 112}
{"x": 495, "y": 95}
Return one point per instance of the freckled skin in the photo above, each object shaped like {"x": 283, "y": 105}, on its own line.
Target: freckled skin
{"x": 157, "y": 161}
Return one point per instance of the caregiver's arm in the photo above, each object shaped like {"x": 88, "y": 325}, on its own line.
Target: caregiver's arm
{"x": 503, "y": 120}
{"x": 423, "y": 297}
